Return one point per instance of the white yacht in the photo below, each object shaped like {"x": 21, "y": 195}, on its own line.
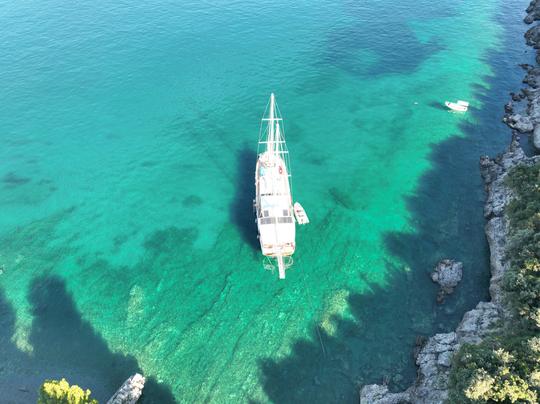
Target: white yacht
{"x": 273, "y": 200}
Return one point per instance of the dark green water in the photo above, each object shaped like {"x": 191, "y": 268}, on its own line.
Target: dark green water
{"x": 128, "y": 139}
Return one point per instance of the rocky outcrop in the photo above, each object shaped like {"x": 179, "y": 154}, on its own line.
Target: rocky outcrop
{"x": 447, "y": 274}
{"x": 520, "y": 123}
{"x": 130, "y": 391}
{"x": 494, "y": 173}
{"x": 533, "y": 12}
{"x": 435, "y": 358}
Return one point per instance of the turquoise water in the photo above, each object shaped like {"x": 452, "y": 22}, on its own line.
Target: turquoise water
{"x": 128, "y": 137}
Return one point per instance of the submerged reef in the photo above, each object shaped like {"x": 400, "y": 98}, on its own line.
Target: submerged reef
{"x": 465, "y": 365}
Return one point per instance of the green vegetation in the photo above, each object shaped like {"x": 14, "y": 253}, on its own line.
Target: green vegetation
{"x": 505, "y": 368}
{"x": 60, "y": 392}
{"x": 502, "y": 369}
{"x": 523, "y": 279}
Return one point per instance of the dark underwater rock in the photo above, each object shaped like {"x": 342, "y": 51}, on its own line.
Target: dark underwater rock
{"x": 12, "y": 180}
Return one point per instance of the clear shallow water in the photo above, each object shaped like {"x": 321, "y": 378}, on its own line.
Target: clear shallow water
{"x": 128, "y": 148}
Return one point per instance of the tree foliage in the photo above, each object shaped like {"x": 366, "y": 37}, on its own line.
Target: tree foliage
{"x": 501, "y": 369}
{"x": 522, "y": 282}
{"x": 60, "y": 392}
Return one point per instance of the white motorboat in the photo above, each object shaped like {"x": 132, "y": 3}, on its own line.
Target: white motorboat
{"x": 273, "y": 199}
{"x": 461, "y": 106}
{"x": 300, "y": 214}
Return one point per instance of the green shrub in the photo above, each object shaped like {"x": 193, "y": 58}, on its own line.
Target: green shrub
{"x": 501, "y": 369}
{"x": 60, "y": 392}
{"x": 522, "y": 282}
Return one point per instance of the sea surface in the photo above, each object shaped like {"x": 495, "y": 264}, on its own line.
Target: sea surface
{"x": 128, "y": 138}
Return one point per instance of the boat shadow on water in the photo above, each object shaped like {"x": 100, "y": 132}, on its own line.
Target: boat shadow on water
{"x": 438, "y": 105}
{"x": 63, "y": 345}
{"x": 241, "y": 209}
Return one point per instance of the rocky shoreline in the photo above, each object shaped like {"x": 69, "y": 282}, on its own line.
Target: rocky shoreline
{"x": 526, "y": 118}
{"x": 434, "y": 359}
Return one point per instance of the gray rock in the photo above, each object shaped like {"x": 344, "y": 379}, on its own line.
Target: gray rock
{"x": 379, "y": 394}
{"x": 532, "y": 36}
{"x": 519, "y": 122}
{"x": 493, "y": 172}
{"x": 533, "y": 106}
{"x": 536, "y": 137}
{"x": 445, "y": 359}
{"x": 447, "y": 274}
{"x": 130, "y": 391}
{"x": 533, "y": 12}
{"x": 532, "y": 78}
{"x": 479, "y": 322}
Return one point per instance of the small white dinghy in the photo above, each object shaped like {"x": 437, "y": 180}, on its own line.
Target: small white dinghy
{"x": 300, "y": 214}
{"x": 461, "y": 106}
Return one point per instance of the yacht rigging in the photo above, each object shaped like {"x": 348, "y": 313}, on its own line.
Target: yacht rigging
{"x": 273, "y": 201}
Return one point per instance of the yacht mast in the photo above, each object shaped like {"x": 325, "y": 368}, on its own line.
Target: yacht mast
{"x": 273, "y": 147}
{"x": 271, "y": 140}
